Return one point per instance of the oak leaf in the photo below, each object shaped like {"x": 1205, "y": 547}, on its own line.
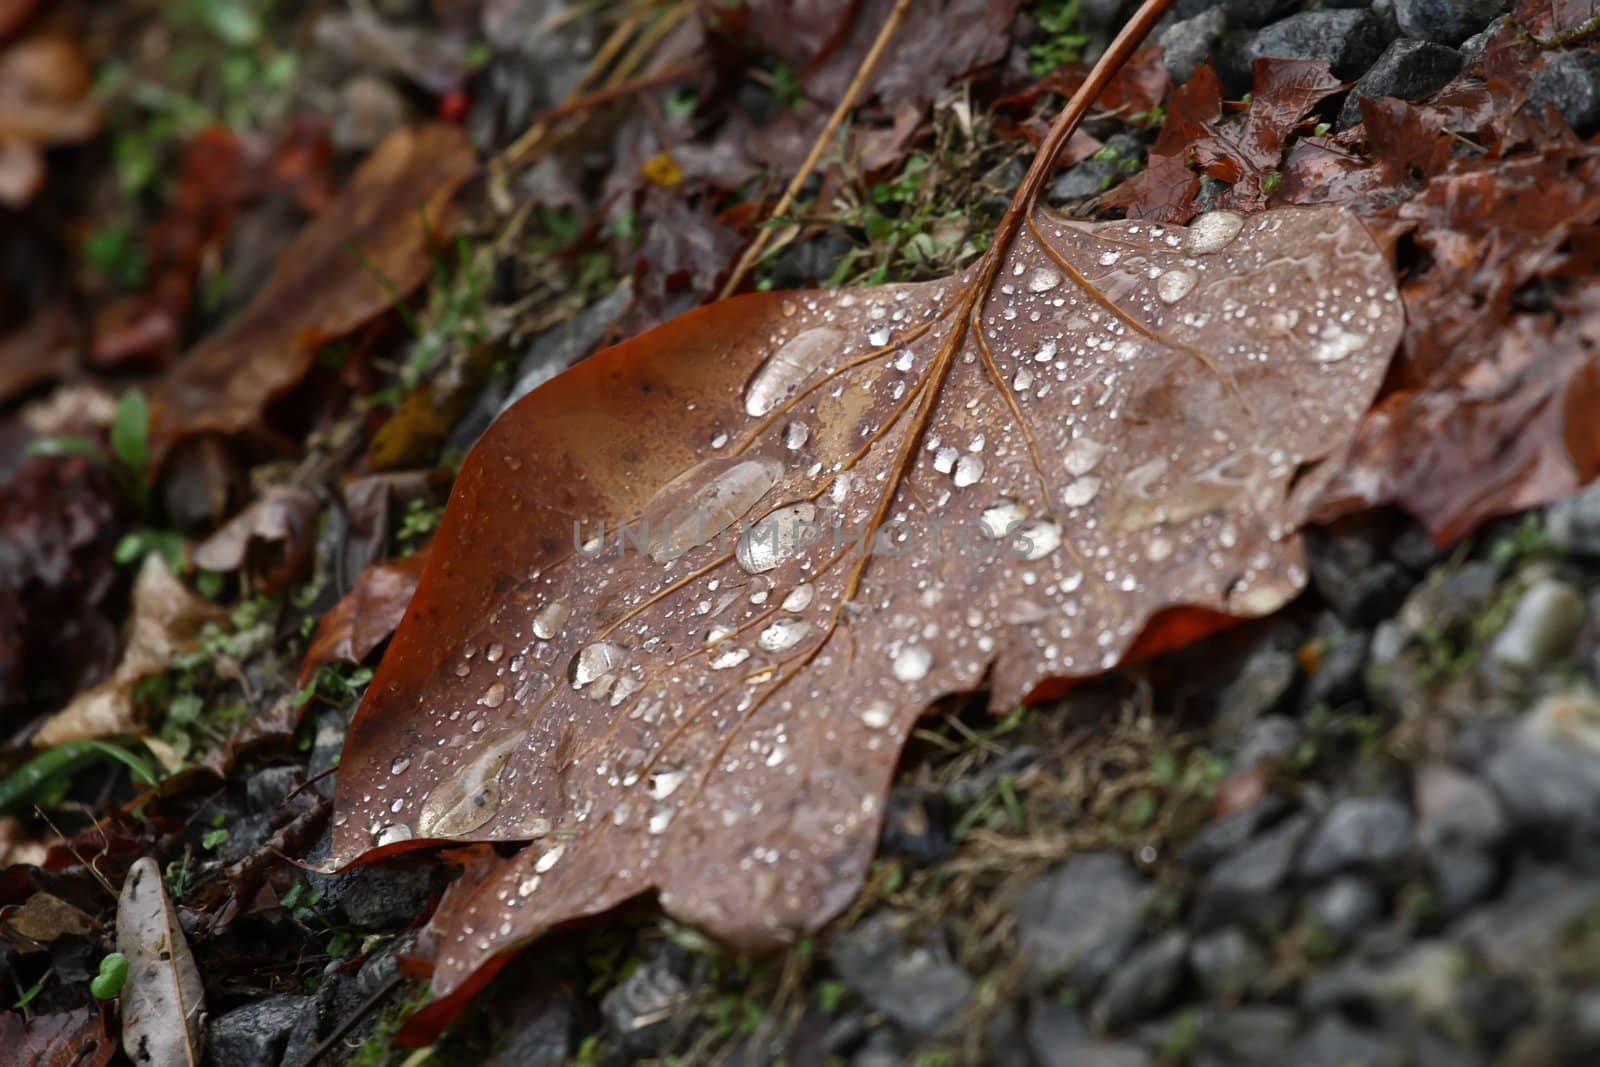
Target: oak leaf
{"x": 840, "y": 507}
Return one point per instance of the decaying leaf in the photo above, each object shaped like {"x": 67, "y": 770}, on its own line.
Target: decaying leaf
{"x": 166, "y": 620}
{"x": 369, "y": 248}
{"x": 283, "y": 516}
{"x": 44, "y": 100}
{"x": 163, "y": 1002}
{"x": 43, "y": 918}
{"x": 61, "y": 1039}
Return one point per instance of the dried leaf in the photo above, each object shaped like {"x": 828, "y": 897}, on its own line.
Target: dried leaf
{"x": 1113, "y": 446}
{"x": 63, "y": 1039}
{"x": 44, "y": 100}
{"x": 42, "y": 919}
{"x": 163, "y": 1002}
{"x": 369, "y": 248}
{"x": 283, "y": 516}
{"x": 166, "y": 620}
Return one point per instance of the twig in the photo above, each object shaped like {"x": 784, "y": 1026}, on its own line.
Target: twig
{"x": 753, "y": 252}
{"x": 355, "y": 1017}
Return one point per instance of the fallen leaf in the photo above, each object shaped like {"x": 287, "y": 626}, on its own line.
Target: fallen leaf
{"x": 166, "y": 621}
{"x": 163, "y": 1002}
{"x": 1115, "y": 441}
{"x": 365, "y": 617}
{"x": 276, "y": 534}
{"x": 61, "y": 1039}
{"x": 367, "y": 249}
{"x": 1165, "y": 190}
{"x": 44, "y": 100}
{"x": 38, "y": 352}
{"x": 43, "y": 918}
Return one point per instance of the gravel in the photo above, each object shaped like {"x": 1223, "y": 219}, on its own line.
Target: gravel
{"x": 1367, "y": 832}
{"x": 1077, "y": 921}
{"x": 914, "y": 984}
{"x": 1570, "y": 82}
{"x": 1408, "y": 68}
{"x": 254, "y": 1035}
{"x": 1446, "y": 21}
{"x": 1188, "y": 42}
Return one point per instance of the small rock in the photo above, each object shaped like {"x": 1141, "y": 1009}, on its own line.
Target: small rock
{"x": 1004, "y": 1039}
{"x": 535, "y": 1030}
{"x": 1342, "y": 909}
{"x": 1217, "y": 839}
{"x": 1248, "y": 1035}
{"x": 1186, "y": 44}
{"x": 647, "y": 1011}
{"x": 369, "y": 109}
{"x": 1530, "y": 918}
{"x": 1570, "y": 82}
{"x": 1119, "y": 158}
{"x": 1261, "y": 685}
{"x": 266, "y": 789}
{"x": 1057, "y": 1038}
{"x": 254, "y": 1035}
{"x": 882, "y": 1048}
{"x": 1445, "y": 21}
{"x": 1340, "y": 676}
{"x": 1098, "y": 16}
{"x": 1462, "y": 876}
{"x": 1454, "y": 808}
{"x": 1542, "y": 628}
{"x": 1350, "y": 40}
{"x": 1078, "y": 920}
{"x": 1227, "y": 963}
{"x": 1497, "y": 1004}
{"x": 1426, "y": 979}
{"x": 1473, "y": 47}
{"x": 1349, "y": 568}
{"x": 381, "y": 895}
{"x": 1139, "y": 988}
{"x": 1407, "y": 69}
{"x": 1548, "y": 771}
{"x": 1273, "y": 738}
{"x": 1243, "y": 887}
{"x": 1358, "y": 831}
{"x": 1573, "y": 523}
{"x": 1332, "y": 1042}
{"x": 916, "y": 986}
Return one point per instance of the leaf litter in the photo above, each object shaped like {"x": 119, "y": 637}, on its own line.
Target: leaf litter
{"x": 1097, "y": 442}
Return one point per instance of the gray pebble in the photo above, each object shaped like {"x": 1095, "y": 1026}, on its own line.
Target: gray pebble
{"x": 1445, "y": 21}
{"x": 1141, "y": 985}
{"x": 1187, "y": 43}
{"x": 1408, "y": 69}
{"x": 1570, "y": 82}
{"x": 1358, "y": 831}
{"x": 1228, "y": 963}
{"x": 1078, "y": 920}
{"x": 914, "y": 984}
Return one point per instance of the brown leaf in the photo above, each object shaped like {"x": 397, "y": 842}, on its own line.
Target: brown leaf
{"x": 41, "y": 350}
{"x": 44, "y": 100}
{"x": 342, "y": 270}
{"x": 1164, "y": 191}
{"x": 365, "y": 617}
{"x": 42, "y": 919}
{"x": 1114, "y": 439}
{"x": 163, "y": 1003}
{"x": 283, "y": 517}
{"x": 166, "y": 620}
{"x": 63, "y": 1039}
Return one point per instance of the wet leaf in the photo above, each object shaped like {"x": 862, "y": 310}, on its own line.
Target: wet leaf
{"x": 277, "y": 532}
{"x": 42, "y": 919}
{"x": 368, "y": 249}
{"x": 365, "y": 617}
{"x": 63, "y": 1039}
{"x": 166, "y": 620}
{"x": 163, "y": 1003}
{"x": 840, "y": 507}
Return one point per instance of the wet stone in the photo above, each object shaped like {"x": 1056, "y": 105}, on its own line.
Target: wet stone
{"x": 1340, "y": 676}
{"x": 1058, "y": 1038}
{"x": 1542, "y": 629}
{"x": 1261, "y": 686}
{"x": 648, "y": 1010}
{"x": 1118, "y": 159}
{"x": 1248, "y": 1035}
{"x": 267, "y": 789}
{"x": 1371, "y": 832}
{"x": 1256, "y": 12}
{"x": 1407, "y": 69}
{"x": 1270, "y": 739}
{"x": 809, "y": 262}
{"x": 915, "y": 985}
{"x": 882, "y": 1048}
{"x": 1243, "y": 887}
{"x": 1461, "y": 876}
{"x": 1077, "y": 921}
{"x": 1349, "y": 40}
{"x": 1455, "y": 808}
{"x": 1530, "y": 918}
{"x": 1332, "y": 1042}
{"x": 1142, "y": 984}
{"x": 1573, "y": 524}
{"x": 1187, "y": 43}
{"x": 381, "y": 895}
{"x": 1227, "y": 963}
{"x": 1342, "y": 909}
{"x": 1215, "y": 840}
{"x": 1546, "y": 771}
{"x": 1424, "y": 978}
{"x": 1445, "y": 21}
{"x": 1349, "y": 569}
{"x": 254, "y": 1035}
{"x": 1570, "y": 82}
